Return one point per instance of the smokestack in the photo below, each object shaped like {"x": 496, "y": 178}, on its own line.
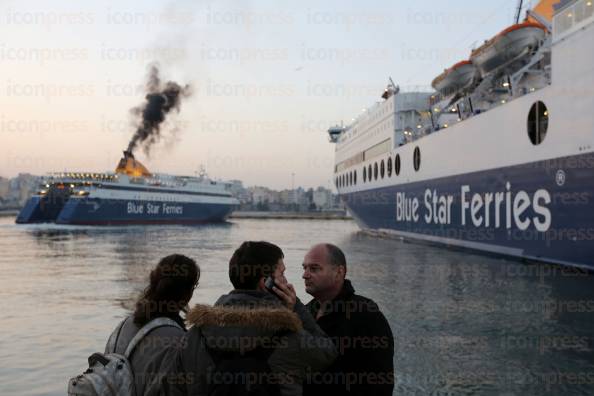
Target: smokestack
{"x": 160, "y": 100}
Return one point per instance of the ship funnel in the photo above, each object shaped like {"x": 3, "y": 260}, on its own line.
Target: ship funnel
{"x": 128, "y": 165}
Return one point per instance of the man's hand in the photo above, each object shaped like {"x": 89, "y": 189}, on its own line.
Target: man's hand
{"x": 286, "y": 292}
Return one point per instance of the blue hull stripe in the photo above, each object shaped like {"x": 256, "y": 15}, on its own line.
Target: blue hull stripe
{"x": 542, "y": 210}
{"x": 93, "y": 211}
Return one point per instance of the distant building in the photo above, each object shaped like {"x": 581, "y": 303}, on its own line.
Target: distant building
{"x": 4, "y": 187}
{"x": 15, "y": 192}
{"x": 241, "y": 193}
{"x": 323, "y": 199}
{"x": 260, "y": 195}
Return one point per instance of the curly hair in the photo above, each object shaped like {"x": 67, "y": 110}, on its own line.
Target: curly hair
{"x": 172, "y": 283}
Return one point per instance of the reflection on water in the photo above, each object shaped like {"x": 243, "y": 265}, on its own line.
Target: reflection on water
{"x": 463, "y": 323}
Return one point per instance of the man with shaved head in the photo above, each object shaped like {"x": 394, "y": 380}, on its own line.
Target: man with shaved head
{"x": 354, "y": 323}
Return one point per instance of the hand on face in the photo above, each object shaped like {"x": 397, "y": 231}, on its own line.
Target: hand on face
{"x": 283, "y": 289}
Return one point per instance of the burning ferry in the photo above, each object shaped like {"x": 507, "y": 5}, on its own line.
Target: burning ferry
{"x": 499, "y": 158}
{"x": 130, "y": 195}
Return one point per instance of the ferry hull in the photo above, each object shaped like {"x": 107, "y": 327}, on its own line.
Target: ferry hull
{"x": 40, "y": 209}
{"x": 546, "y": 210}
{"x": 94, "y": 211}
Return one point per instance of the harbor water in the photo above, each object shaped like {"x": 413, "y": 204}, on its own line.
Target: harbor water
{"x": 464, "y": 323}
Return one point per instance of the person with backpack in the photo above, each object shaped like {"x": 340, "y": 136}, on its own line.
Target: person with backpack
{"x": 257, "y": 340}
{"x": 136, "y": 350}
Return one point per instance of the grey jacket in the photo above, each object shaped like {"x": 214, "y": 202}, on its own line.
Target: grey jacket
{"x": 147, "y": 359}
{"x": 244, "y": 320}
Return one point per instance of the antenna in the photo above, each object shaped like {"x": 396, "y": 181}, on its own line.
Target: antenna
{"x": 202, "y": 171}
{"x": 519, "y": 11}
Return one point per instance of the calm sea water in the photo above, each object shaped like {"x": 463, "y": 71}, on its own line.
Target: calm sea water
{"x": 464, "y": 324}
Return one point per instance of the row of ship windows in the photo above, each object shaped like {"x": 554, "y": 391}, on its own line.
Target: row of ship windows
{"x": 384, "y": 126}
{"x": 375, "y": 172}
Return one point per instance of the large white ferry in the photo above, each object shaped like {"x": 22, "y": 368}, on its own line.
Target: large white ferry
{"x": 130, "y": 195}
{"x": 499, "y": 158}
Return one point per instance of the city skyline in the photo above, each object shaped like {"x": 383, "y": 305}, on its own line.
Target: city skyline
{"x": 267, "y": 82}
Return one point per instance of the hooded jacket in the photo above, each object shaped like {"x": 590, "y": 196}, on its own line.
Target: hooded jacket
{"x": 243, "y": 321}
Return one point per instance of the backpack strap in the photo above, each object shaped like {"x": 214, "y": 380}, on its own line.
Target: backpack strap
{"x": 112, "y": 343}
{"x": 146, "y": 329}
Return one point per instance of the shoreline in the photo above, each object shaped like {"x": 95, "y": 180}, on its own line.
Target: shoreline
{"x": 9, "y": 212}
{"x": 290, "y": 215}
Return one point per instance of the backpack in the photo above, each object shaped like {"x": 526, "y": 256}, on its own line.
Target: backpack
{"x": 241, "y": 374}
{"x": 111, "y": 374}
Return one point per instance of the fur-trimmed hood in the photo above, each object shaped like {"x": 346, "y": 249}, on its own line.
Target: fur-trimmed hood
{"x": 243, "y": 320}
{"x": 265, "y": 318}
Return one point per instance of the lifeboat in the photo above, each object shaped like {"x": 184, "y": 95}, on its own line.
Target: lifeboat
{"x": 507, "y": 46}
{"x": 458, "y": 77}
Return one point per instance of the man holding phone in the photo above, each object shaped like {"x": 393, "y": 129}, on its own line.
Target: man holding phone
{"x": 254, "y": 339}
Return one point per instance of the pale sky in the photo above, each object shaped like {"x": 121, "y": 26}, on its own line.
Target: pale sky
{"x": 269, "y": 78}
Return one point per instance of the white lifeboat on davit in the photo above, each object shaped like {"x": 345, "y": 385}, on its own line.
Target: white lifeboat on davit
{"x": 507, "y": 46}
{"x": 458, "y": 77}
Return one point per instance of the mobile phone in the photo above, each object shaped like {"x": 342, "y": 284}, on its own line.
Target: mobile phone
{"x": 269, "y": 284}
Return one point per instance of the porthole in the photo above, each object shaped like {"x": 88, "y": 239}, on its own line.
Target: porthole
{"x": 364, "y": 174}
{"x": 417, "y": 158}
{"x": 351, "y": 179}
{"x": 382, "y": 169}
{"x": 375, "y": 171}
{"x": 538, "y": 123}
{"x": 389, "y": 166}
{"x": 355, "y": 177}
{"x": 397, "y": 164}
{"x": 369, "y": 174}
{"x": 336, "y": 182}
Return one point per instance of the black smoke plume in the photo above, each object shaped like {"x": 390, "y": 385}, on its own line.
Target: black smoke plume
{"x": 160, "y": 100}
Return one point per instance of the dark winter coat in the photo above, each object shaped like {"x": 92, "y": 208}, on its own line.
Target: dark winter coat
{"x": 365, "y": 343}
{"x": 243, "y": 321}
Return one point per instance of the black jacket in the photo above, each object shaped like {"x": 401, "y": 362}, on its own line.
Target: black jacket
{"x": 365, "y": 343}
{"x": 244, "y": 320}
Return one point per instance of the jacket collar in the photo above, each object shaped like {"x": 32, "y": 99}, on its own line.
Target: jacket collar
{"x": 347, "y": 292}
{"x": 247, "y": 309}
